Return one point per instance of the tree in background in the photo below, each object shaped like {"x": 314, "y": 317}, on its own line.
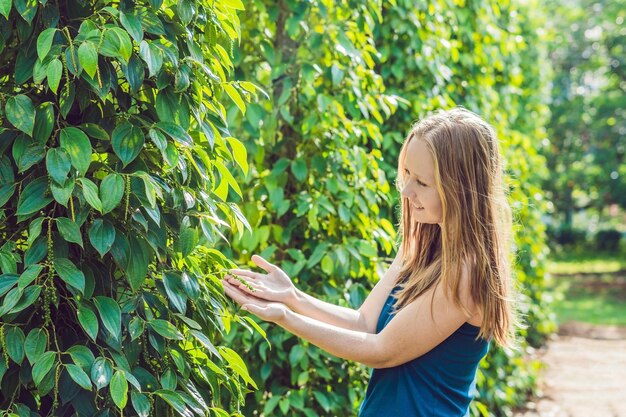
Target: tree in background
{"x": 114, "y": 178}
{"x": 586, "y": 144}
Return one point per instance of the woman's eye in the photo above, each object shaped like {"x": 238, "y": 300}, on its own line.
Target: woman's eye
{"x": 420, "y": 183}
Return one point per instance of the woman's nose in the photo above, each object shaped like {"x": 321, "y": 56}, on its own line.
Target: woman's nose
{"x": 407, "y": 191}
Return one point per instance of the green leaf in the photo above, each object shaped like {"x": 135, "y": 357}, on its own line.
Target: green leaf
{"x": 366, "y": 248}
{"x": 299, "y": 169}
{"x": 58, "y": 164}
{"x": 235, "y": 4}
{"x": 188, "y": 240}
{"x": 53, "y": 72}
{"x": 175, "y": 132}
{"x": 20, "y": 112}
{"x": 141, "y": 404}
{"x": 235, "y": 96}
{"x": 44, "y": 42}
{"x": 6, "y": 192}
{"x": 140, "y": 256}
{"x": 237, "y": 364}
{"x": 152, "y": 56}
{"x": 258, "y": 328}
{"x": 90, "y": 191}
{"x": 127, "y": 141}
{"x": 69, "y": 230}
{"x": 134, "y": 73}
{"x": 82, "y": 356}
{"x": 14, "y": 341}
{"x": 27, "y": 152}
{"x": 102, "y": 236}
{"x": 158, "y": 139}
{"x": 94, "y": 131}
{"x": 10, "y": 300}
{"x": 7, "y": 281}
{"x": 44, "y": 122}
{"x": 322, "y": 399}
{"x": 132, "y": 24}
{"x": 327, "y": 264}
{"x": 119, "y": 389}
{"x": 67, "y": 99}
{"x": 175, "y": 292}
{"x": 70, "y": 274}
{"x": 89, "y": 321}
{"x": 112, "y": 191}
{"x": 101, "y": 372}
{"x": 79, "y": 376}
{"x": 34, "y": 197}
{"x": 29, "y": 275}
{"x": 165, "y": 329}
{"x": 110, "y": 314}
{"x": 240, "y": 153}
{"x": 271, "y": 404}
{"x": 30, "y": 295}
{"x": 35, "y": 344}
{"x": 88, "y": 58}
{"x": 121, "y": 250}
{"x": 169, "y": 380}
{"x": 185, "y": 11}
{"x": 78, "y": 147}
{"x": 42, "y": 366}
{"x": 34, "y": 230}
{"x": 5, "y": 10}
{"x": 136, "y": 327}
{"x": 27, "y": 9}
{"x": 125, "y": 45}
{"x": 176, "y": 401}
{"x": 62, "y": 193}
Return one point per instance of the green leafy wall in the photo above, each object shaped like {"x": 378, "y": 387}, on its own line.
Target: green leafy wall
{"x": 115, "y": 167}
{"x": 345, "y": 81}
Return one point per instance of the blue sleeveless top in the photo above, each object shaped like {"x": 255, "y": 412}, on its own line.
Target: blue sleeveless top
{"x": 440, "y": 383}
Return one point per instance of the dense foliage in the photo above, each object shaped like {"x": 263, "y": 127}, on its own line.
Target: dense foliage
{"x": 115, "y": 168}
{"x": 315, "y": 189}
{"x": 319, "y": 195}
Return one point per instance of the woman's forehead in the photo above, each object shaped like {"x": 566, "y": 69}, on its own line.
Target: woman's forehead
{"x": 418, "y": 160}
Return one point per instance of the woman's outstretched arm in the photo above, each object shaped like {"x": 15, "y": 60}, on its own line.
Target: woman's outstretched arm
{"x": 412, "y": 332}
{"x": 277, "y": 286}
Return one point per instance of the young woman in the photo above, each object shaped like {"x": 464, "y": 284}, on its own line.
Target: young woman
{"x": 429, "y": 321}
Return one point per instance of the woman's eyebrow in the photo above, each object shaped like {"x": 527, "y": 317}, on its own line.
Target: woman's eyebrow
{"x": 409, "y": 172}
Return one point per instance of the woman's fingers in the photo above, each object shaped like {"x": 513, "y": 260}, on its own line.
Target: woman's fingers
{"x": 238, "y": 282}
{"x": 243, "y": 286}
{"x": 239, "y": 296}
{"x": 246, "y": 273}
{"x": 263, "y": 263}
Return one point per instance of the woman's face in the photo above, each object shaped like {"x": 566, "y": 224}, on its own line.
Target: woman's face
{"x": 419, "y": 183}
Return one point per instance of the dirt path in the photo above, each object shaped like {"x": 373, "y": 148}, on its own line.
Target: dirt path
{"x": 584, "y": 376}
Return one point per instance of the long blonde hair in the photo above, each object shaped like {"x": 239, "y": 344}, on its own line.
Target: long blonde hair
{"x": 476, "y": 229}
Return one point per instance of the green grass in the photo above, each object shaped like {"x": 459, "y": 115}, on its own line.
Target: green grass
{"x": 585, "y": 301}
{"x": 589, "y": 288}
{"x": 586, "y": 263}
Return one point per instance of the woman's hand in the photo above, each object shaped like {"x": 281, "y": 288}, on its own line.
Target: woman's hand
{"x": 273, "y": 286}
{"x": 265, "y": 310}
